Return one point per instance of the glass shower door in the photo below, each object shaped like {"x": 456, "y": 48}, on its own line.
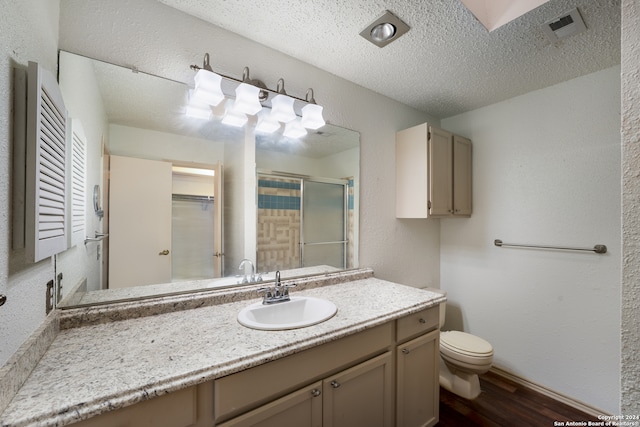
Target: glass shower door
{"x": 324, "y": 224}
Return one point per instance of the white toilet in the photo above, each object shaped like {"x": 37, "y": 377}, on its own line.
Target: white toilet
{"x": 462, "y": 358}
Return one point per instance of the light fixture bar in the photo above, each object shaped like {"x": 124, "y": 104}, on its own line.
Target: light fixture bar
{"x": 254, "y": 82}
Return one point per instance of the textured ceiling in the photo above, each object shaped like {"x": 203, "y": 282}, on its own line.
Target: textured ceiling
{"x": 448, "y": 63}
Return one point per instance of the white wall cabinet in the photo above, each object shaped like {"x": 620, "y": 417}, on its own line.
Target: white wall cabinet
{"x": 433, "y": 173}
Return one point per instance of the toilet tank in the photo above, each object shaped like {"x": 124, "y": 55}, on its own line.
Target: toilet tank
{"x": 443, "y": 308}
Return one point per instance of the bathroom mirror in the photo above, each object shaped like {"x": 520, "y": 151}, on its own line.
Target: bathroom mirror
{"x": 222, "y": 185}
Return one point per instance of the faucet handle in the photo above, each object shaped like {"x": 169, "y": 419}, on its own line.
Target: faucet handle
{"x": 286, "y": 288}
{"x": 266, "y": 291}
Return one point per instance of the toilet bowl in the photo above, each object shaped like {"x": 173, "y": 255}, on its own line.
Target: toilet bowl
{"x": 463, "y": 357}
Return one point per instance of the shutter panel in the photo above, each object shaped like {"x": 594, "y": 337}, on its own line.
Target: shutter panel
{"x": 45, "y": 210}
{"x": 77, "y": 182}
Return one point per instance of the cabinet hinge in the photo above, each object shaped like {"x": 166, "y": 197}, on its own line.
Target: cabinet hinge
{"x": 429, "y": 135}
{"x": 429, "y": 204}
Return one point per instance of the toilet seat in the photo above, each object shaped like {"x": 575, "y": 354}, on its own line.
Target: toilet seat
{"x": 466, "y": 348}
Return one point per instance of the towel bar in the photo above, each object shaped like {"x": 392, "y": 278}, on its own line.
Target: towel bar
{"x": 599, "y": 249}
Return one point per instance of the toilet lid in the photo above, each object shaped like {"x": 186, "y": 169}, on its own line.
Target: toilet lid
{"x": 464, "y": 343}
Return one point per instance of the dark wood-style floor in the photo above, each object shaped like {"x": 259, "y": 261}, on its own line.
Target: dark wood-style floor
{"x": 504, "y": 403}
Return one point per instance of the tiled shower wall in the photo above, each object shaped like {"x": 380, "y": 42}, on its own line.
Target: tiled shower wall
{"x": 279, "y": 224}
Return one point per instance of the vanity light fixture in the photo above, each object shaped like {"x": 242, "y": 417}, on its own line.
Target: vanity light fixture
{"x": 385, "y": 29}
{"x": 282, "y": 105}
{"x": 294, "y": 129}
{"x": 208, "y": 86}
{"x": 312, "y": 113}
{"x": 197, "y": 108}
{"x": 266, "y": 123}
{"x": 232, "y": 116}
{"x": 250, "y": 96}
{"x": 247, "y": 96}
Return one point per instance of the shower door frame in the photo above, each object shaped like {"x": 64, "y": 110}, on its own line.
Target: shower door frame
{"x": 323, "y": 180}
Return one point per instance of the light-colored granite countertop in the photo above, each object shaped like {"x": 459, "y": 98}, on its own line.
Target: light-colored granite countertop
{"x": 89, "y": 370}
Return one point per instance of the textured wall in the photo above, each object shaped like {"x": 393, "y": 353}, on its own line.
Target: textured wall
{"x": 29, "y": 33}
{"x": 630, "y": 365}
{"x": 546, "y": 171}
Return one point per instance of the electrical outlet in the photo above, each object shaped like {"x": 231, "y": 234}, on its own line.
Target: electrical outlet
{"x": 50, "y": 293}
{"x": 59, "y": 288}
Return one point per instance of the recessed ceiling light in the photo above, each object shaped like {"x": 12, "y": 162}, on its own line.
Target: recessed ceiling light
{"x": 385, "y": 29}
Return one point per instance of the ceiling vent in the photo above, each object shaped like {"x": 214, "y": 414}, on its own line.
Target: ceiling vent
{"x": 567, "y": 25}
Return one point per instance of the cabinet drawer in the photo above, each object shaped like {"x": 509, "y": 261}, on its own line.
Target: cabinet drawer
{"x": 243, "y": 391}
{"x": 418, "y": 323}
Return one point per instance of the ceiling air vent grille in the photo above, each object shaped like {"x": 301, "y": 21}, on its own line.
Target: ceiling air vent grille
{"x": 567, "y": 25}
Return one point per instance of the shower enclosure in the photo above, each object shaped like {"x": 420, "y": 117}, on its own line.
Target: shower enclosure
{"x": 302, "y": 221}
{"x": 192, "y": 237}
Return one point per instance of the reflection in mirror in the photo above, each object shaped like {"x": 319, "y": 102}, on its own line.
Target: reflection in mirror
{"x": 182, "y": 201}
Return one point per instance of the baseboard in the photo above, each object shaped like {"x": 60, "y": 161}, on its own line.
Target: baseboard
{"x": 567, "y": 400}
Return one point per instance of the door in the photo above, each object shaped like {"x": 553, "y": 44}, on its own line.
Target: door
{"x": 218, "y": 218}
{"x": 461, "y": 176}
{"x": 418, "y": 381}
{"x": 324, "y": 224}
{"x": 139, "y": 222}
{"x": 302, "y": 408}
{"x": 440, "y": 169}
{"x": 360, "y": 396}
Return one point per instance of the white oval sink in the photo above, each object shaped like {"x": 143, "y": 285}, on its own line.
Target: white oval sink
{"x": 297, "y": 313}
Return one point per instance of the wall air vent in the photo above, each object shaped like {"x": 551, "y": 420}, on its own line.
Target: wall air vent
{"x": 40, "y": 164}
{"x": 567, "y": 25}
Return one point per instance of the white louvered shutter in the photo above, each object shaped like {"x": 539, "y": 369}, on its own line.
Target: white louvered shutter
{"x": 45, "y": 204}
{"x": 77, "y": 160}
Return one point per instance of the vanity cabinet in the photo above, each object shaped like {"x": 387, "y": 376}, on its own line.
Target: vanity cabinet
{"x": 189, "y": 407}
{"x": 345, "y": 370}
{"x": 418, "y": 369}
{"x": 384, "y": 376}
{"x": 359, "y": 396}
{"x": 433, "y": 173}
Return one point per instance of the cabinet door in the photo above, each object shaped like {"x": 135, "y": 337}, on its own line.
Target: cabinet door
{"x": 302, "y": 408}
{"x": 440, "y": 170}
{"x": 360, "y": 396}
{"x": 461, "y": 176}
{"x": 418, "y": 374}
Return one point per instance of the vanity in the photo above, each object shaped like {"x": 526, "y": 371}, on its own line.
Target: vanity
{"x": 374, "y": 363}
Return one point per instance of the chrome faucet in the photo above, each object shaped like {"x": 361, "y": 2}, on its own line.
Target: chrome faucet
{"x": 279, "y": 292}
{"x": 251, "y": 278}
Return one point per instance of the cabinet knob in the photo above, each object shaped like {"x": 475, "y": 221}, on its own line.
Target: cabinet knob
{"x": 422, "y": 321}
{"x": 335, "y": 384}
{"x": 315, "y": 392}
{"x": 165, "y": 252}
{"x": 406, "y": 351}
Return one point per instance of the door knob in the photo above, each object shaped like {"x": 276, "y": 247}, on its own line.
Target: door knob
{"x": 165, "y": 252}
